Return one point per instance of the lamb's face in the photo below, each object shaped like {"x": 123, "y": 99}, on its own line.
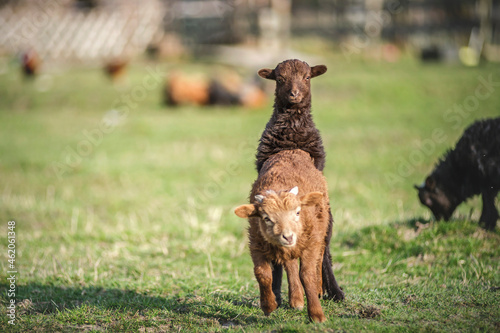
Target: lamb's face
{"x": 293, "y": 83}
{"x": 292, "y": 77}
{"x": 280, "y": 218}
{"x": 432, "y": 196}
{"x": 280, "y": 215}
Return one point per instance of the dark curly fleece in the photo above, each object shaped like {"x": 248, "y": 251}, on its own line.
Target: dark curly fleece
{"x": 471, "y": 168}
{"x": 291, "y": 129}
{"x": 291, "y": 125}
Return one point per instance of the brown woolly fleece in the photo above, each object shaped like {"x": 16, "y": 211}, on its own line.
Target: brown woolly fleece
{"x": 282, "y": 172}
{"x": 285, "y": 227}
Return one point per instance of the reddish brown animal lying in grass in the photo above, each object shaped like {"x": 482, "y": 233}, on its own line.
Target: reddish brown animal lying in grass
{"x": 288, "y": 217}
{"x": 201, "y": 90}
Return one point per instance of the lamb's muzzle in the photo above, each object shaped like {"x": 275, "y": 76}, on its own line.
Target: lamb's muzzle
{"x": 288, "y": 238}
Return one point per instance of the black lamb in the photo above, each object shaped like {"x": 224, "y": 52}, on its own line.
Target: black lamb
{"x": 291, "y": 127}
{"x": 473, "y": 167}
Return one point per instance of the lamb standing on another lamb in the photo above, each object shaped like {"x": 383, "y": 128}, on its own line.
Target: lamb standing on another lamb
{"x": 288, "y": 217}
{"x": 473, "y": 167}
{"x": 291, "y": 127}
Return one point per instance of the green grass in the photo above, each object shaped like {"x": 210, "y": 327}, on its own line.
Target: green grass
{"x": 133, "y": 229}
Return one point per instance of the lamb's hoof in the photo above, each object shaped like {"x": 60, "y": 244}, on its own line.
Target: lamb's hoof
{"x": 297, "y": 303}
{"x": 297, "y": 307}
{"x": 488, "y": 225}
{"x": 318, "y": 318}
{"x": 339, "y": 296}
{"x": 268, "y": 308}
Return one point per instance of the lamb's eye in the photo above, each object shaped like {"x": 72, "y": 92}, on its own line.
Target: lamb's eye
{"x": 280, "y": 80}
{"x": 267, "y": 220}
{"x": 298, "y": 212}
{"x": 308, "y": 78}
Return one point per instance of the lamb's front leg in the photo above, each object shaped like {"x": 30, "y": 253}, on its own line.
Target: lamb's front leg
{"x": 295, "y": 293}
{"x": 308, "y": 275}
{"x": 263, "y": 274}
{"x": 489, "y": 215}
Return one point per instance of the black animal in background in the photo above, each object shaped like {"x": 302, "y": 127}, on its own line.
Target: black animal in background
{"x": 291, "y": 127}
{"x": 471, "y": 168}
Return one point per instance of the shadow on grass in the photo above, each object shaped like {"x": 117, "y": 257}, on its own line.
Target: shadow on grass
{"x": 372, "y": 245}
{"x": 451, "y": 241}
{"x": 419, "y": 223}
{"x": 103, "y": 305}
{"x": 381, "y": 234}
{"x": 414, "y": 223}
{"x": 218, "y": 309}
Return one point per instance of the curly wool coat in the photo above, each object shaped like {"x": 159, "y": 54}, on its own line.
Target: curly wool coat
{"x": 471, "y": 168}
{"x": 291, "y": 125}
{"x": 271, "y": 216}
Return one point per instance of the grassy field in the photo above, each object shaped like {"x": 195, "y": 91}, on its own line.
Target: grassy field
{"x": 124, "y": 219}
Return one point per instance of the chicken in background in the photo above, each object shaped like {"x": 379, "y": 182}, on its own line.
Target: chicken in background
{"x": 116, "y": 69}
{"x": 30, "y": 63}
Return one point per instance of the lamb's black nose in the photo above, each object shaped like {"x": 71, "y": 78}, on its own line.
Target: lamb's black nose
{"x": 288, "y": 238}
{"x": 294, "y": 93}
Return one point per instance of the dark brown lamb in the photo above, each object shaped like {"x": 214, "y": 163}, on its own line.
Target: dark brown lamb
{"x": 288, "y": 217}
{"x": 291, "y": 127}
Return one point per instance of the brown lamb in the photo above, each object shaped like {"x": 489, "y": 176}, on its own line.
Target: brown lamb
{"x": 289, "y": 220}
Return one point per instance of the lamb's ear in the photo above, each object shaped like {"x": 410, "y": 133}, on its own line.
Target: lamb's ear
{"x": 267, "y": 73}
{"x": 419, "y": 187}
{"x": 245, "y": 211}
{"x": 295, "y": 190}
{"x": 311, "y": 199}
{"x": 318, "y": 70}
{"x": 430, "y": 183}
